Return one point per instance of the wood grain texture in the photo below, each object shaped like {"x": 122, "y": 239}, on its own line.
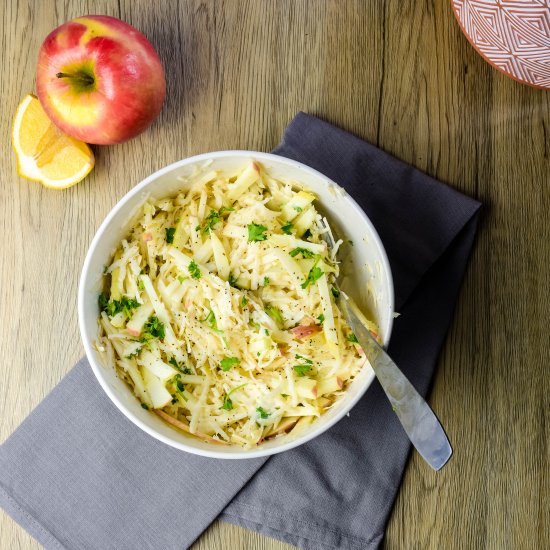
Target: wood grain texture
{"x": 397, "y": 73}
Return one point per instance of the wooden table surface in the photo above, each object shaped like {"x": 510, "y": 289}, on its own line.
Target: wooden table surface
{"x": 396, "y": 73}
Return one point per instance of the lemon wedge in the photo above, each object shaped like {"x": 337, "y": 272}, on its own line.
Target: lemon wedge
{"x": 44, "y": 152}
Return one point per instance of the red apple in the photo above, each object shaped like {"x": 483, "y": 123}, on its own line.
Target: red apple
{"x": 99, "y": 79}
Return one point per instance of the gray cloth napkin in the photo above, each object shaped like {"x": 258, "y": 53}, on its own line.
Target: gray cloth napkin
{"x": 78, "y": 475}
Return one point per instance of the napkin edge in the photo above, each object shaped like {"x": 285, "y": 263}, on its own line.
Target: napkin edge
{"x": 296, "y": 532}
{"x": 28, "y": 522}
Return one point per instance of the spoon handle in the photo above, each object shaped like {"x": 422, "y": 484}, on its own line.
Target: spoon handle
{"x": 417, "y": 418}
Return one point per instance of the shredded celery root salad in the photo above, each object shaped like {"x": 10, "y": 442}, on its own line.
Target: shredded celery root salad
{"x": 218, "y": 309}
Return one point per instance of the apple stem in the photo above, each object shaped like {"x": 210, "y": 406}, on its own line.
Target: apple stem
{"x": 78, "y": 77}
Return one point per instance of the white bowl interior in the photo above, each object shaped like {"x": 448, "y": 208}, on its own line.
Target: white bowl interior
{"x": 366, "y": 277}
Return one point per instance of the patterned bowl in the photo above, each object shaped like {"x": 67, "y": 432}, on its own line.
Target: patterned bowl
{"x": 511, "y": 35}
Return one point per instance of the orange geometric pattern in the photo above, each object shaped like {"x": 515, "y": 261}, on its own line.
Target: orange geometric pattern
{"x": 512, "y": 35}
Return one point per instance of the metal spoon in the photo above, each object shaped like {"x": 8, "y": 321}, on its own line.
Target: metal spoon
{"x": 416, "y": 416}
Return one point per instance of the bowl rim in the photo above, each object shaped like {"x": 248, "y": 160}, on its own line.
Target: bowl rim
{"x": 88, "y": 345}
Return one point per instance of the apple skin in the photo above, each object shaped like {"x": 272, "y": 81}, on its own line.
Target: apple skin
{"x": 99, "y": 79}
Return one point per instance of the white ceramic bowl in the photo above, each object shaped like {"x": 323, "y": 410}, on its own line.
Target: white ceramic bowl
{"x": 369, "y": 282}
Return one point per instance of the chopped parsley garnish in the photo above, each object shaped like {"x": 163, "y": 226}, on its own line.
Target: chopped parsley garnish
{"x": 211, "y": 220}
{"x": 275, "y": 314}
{"x": 178, "y": 383}
{"x": 302, "y": 370}
{"x": 314, "y": 274}
{"x": 307, "y": 234}
{"x": 303, "y": 251}
{"x": 170, "y": 232}
{"x": 266, "y": 281}
{"x": 179, "y": 366}
{"x": 227, "y": 362}
{"x": 227, "y": 403}
{"x": 141, "y": 286}
{"x": 180, "y": 388}
{"x": 335, "y": 292}
{"x": 102, "y": 301}
{"x": 352, "y": 338}
{"x": 125, "y": 304}
{"x": 285, "y": 395}
{"x": 244, "y": 301}
{"x": 287, "y": 228}
{"x": 297, "y": 208}
{"x": 256, "y": 232}
{"x": 321, "y": 318}
{"x": 232, "y": 280}
{"x": 197, "y": 228}
{"x": 181, "y": 279}
{"x": 266, "y": 332}
{"x": 194, "y": 270}
{"x": 153, "y": 328}
{"x": 262, "y": 412}
{"x": 145, "y": 406}
{"x": 212, "y": 322}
